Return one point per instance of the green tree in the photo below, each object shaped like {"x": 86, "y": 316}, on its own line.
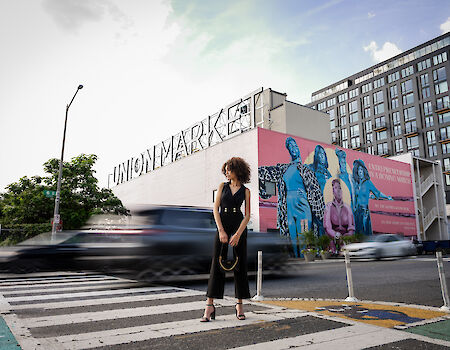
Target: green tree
{"x": 25, "y": 202}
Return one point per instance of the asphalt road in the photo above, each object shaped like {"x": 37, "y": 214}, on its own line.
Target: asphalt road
{"x": 413, "y": 280}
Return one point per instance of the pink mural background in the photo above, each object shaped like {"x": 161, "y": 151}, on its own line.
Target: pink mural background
{"x": 391, "y": 177}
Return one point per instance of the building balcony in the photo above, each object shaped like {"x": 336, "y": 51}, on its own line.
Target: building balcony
{"x": 411, "y": 131}
{"x": 380, "y": 126}
{"x": 383, "y": 153}
{"x": 444, "y": 138}
{"x": 442, "y": 108}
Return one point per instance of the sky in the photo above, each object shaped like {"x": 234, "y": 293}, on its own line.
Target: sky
{"x": 151, "y": 68}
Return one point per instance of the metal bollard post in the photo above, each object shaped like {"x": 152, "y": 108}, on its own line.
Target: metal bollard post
{"x": 351, "y": 294}
{"x": 446, "y": 306}
{"x": 258, "y": 295}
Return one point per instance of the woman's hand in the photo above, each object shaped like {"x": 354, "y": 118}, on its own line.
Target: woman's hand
{"x": 223, "y": 237}
{"x": 234, "y": 240}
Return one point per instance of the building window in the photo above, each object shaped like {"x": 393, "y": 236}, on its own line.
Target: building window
{"x": 332, "y": 123}
{"x": 353, "y": 117}
{"x": 382, "y": 135}
{"x": 353, "y": 93}
{"x": 333, "y": 136}
{"x": 427, "y": 108}
{"x": 408, "y": 99}
{"x": 406, "y": 72}
{"x": 431, "y": 137}
{"x": 344, "y": 134}
{"x": 439, "y": 74}
{"x": 443, "y": 102}
{"x": 432, "y": 151}
{"x": 380, "y": 122}
{"x": 355, "y": 142}
{"x": 446, "y": 148}
{"x": 445, "y": 133}
{"x": 424, "y": 81}
{"x": 354, "y": 130}
{"x": 447, "y": 179}
{"x": 397, "y": 130}
{"x": 342, "y": 110}
{"x": 367, "y": 113}
{"x": 393, "y": 91}
{"x": 424, "y": 64}
{"x": 369, "y": 138}
{"x": 378, "y": 108}
{"x": 442, "y": 57}
{"x": 368, "y": 126}
{"x": 345, "y": 144}
{"x": 407, "y": 86}
{"x": 352, "y": 106}
{"x": 343, "y": 97}
{"x": 378, "y": 83}
{"x": 446, "y": 164}
{"x": 441, "y": 88}
{"x": 321, "y": 105}
{"x": 370, "y": 150}
{"x": 429, "y": 121}
{"x": 393, "y": 77}
{"x": 366, "y": 101}
{"x": 398, "y": 145}
{"x": 444, "y": 118}
{"x": 382, "y": 148}
{"x": 425, "y": 92}
{"x": 331, "y": 102}
{"x": 378, "y": 97}
{"x": 412, "y": 142}
{"x": 396, "y": 118}
{"x": 409, "y": 113}
{"x": 410, "y": 127}
{"x": 366, "y": 88}
{"x": 394, "y": 103}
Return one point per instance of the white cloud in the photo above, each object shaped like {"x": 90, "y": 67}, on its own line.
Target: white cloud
{"x": 387, "y": 51}
{"x": 445, "y": 27}
{"x": 371, "y": 15}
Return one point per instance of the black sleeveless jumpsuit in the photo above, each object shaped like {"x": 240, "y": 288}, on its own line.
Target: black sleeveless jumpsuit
{"x": 231, "y": 216}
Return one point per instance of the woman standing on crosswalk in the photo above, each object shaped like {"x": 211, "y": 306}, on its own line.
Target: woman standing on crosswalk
{"x": 232, "y": 230}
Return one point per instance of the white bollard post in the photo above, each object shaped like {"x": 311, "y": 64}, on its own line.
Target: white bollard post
{"x": 351, "y": 294}
{"x": 258, "y": 295}
{"x": 446, "y": 306}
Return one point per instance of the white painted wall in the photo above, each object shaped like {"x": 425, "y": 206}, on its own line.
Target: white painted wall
{"x": 192, "y": 180}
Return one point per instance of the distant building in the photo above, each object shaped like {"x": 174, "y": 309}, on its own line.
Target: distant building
{"x": 398, "y": 106}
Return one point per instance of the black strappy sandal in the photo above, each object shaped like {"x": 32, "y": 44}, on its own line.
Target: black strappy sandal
{"x": 212, "y": 316}
{"x": 240, "y": 317}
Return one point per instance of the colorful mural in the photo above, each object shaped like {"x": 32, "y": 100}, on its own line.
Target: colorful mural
{"x": 333, "y": 191}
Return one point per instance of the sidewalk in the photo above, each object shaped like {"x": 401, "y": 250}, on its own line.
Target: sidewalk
{"x": 408, "y": 326}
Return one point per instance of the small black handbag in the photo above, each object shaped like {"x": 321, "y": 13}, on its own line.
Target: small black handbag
{"x": 226, "y": 264}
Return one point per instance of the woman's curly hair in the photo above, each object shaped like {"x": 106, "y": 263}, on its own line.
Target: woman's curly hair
{"x": 238, "y": 166}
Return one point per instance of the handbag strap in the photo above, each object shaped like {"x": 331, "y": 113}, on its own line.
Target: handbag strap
{"x": 221, "y": 263}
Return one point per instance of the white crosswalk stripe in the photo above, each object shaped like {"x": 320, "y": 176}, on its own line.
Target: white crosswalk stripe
{"x": 80, "y": 316}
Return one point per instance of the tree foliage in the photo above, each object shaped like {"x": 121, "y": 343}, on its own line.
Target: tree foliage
{"x": 24, "y": 201}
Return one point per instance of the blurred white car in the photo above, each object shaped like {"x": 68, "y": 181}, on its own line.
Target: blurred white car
{"x": 381, "y": 246}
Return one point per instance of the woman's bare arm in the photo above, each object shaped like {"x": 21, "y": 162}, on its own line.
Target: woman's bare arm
{"x": 222, "y": 234}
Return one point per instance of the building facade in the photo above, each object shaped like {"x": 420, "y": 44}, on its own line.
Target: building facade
{"x": 398, "y": 106}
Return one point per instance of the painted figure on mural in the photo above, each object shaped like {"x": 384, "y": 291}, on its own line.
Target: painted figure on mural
{"x": 299, "y": 194}
{"x": 338, "y": 217}
{"x": 343, "y": 173}
{"x": 363, "y": 188}
{"x": 320, "y": 169}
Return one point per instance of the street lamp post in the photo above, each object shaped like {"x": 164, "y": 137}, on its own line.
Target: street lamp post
{"x": 56, "y": 218}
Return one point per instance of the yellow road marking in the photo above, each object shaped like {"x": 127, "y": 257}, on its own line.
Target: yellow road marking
{"x": 376, "y": 314}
